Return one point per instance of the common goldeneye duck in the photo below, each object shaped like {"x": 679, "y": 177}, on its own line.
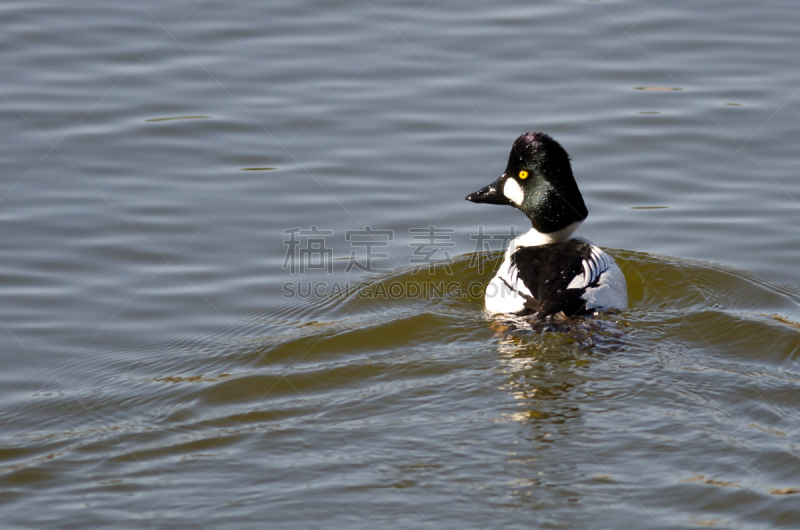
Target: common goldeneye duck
{"x": 546, "y": 273}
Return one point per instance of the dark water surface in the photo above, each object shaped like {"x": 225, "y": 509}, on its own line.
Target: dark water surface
{"x": 156, "y": 375}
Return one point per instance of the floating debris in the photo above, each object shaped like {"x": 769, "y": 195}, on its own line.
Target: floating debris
{"x": 178, "y": 118}
{"x": 784, "y": 491}
{"x": 711, "y": 481}
{"x": 191, "y": 379}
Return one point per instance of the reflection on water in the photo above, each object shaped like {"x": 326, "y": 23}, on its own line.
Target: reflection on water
{"x": 551, "y": 377}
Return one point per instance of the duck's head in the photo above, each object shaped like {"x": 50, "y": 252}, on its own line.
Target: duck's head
{"x": 538, "y": 180}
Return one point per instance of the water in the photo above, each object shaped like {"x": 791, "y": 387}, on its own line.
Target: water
{"x": 156, "y": 375}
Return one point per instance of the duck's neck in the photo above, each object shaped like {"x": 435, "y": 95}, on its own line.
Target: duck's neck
{"x": 534, "y": 238}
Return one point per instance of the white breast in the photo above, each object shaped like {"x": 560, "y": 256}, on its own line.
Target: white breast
{"x": 499, "y": 297}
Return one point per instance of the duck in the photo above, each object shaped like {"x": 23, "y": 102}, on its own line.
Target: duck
{"x": 546, "y": 274}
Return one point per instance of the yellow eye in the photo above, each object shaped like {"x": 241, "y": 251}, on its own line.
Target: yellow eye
{"x": 523, "y": 174}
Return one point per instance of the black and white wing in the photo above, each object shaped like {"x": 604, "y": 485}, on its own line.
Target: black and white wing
{"x": 602, "y": 281}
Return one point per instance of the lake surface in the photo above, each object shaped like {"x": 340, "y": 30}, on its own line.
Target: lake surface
{"x": 190, "y": 340}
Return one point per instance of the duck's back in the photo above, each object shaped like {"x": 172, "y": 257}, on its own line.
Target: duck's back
{"x": 571, "y": 277}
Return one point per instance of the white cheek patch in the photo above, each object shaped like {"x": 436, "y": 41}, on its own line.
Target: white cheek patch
{"x": 513, "y": 191}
